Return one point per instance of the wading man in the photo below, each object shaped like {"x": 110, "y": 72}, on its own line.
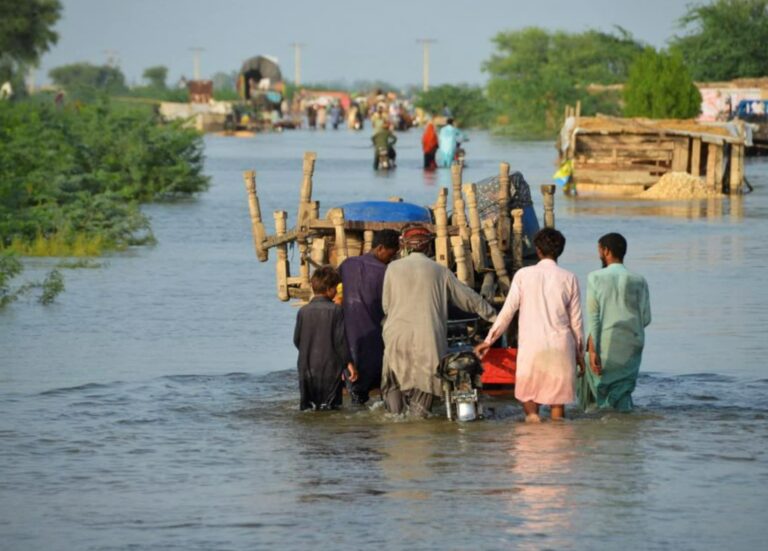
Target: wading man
{"x": 362, "y": 278}
{"x": 618, "y": 311}
{"x": 551, "y": 336}
{"x": 415, "y": 300}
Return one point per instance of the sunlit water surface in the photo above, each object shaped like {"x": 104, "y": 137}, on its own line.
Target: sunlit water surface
{"x": 154, "y": 406}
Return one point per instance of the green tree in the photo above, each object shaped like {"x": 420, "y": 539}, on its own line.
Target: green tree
{"x": 725, "y": 39}
{"x": 84, "y": 80}
{"x": 156, "y": 76}
{"x": 660, "y": 87}
{"x": 26, "y": 33}
{"x": 535, "y": 73}
{"x": 468, "y": 104}
{"x": 75, "y": 176}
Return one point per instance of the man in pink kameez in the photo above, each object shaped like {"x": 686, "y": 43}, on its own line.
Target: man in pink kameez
{"x": 551, "y": 337}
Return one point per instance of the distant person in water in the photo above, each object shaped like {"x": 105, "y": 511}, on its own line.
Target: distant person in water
{"x": 429, "y": 145}
{"x": 384, "y": 138}
{"x": 618, "y": 311}
{"x": 448, "y": 138}
{"x": 323, "y": 352}
{"x": 363, "y": 280}
{"x": 551, "y": 334}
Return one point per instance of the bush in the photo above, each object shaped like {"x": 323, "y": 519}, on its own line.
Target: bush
{"x": 73, "y": 177}
{"x": 660, "y": 87}
{"x": 468, "y": 104}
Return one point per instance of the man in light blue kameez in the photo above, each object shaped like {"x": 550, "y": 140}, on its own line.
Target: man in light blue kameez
{"x": 618, "y": 310}
{"x": 448, "y": 140}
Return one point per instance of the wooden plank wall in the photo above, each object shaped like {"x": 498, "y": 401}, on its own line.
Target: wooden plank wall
{"x": 632, "y": 161}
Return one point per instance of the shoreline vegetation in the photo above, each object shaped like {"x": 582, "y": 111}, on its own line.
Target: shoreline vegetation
{"x": 75, "y": 175}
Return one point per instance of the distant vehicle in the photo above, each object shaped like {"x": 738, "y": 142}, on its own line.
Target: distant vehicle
{"x": 384, "y": 163}
{"x": 260, "y": 87}
{"x": 754, "y": 112}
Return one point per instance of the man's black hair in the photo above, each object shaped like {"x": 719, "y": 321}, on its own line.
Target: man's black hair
{"x": 324, "y": 278}
{"x": 615, "y": 243}
{"x": 389, "y": 239}
{"x": 550, "y": 242}
{"x": 450, "y": 120}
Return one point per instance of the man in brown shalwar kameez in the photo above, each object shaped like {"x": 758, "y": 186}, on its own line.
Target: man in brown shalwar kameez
{"x": 415, "y": 300}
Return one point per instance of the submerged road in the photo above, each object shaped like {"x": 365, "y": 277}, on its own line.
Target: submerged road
{"x": 155, "y": 404}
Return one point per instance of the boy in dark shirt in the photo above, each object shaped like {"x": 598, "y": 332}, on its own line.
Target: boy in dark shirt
{"x": 322, "y": 344}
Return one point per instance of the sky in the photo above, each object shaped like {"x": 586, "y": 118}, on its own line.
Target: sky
{"x": 343, "y": 39}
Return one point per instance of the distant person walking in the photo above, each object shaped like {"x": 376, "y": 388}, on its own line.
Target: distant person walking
{"x": 429, "y": 145}
{"x": 448, "y": 139}
{"x": 551, "y": 337}
{"x": 618, "y": 311}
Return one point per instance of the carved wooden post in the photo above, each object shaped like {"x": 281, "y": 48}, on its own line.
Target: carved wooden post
{"x": 257, "y": 226}
{"x": 456, "y": 180}
{"x": 318, "y": 251}
{"x": 367, "y": 241}
{"x": 517, "y": 238}
{"x": 305, "y": 196}
{"x": 504, "y": 225}
{"x": 282, "y": 269}
{"x": 476, "y": 231}
{"x": 442, "y": 253}
{"x": 462, "y": 272}
{"x": 341, "y": 237}
{"x": 497, "y": 257}
{"x": 459, "y": 217}
{"x": 548, "y": 193}
{"x": 303, "y": 260}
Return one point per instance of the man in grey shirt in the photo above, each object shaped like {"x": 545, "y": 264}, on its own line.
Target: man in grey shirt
{"x": 415, "y": 300}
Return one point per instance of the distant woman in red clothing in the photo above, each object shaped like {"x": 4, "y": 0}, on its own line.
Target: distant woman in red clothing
{"x": 429, "y": 145}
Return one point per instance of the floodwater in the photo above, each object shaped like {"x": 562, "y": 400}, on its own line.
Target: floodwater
{"x": 154, "y": 406}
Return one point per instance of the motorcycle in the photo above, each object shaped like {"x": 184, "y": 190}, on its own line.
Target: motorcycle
{"x": 383, "y": 158}
{"x": 460, "y": 154}
{"x": 460, "y": 371}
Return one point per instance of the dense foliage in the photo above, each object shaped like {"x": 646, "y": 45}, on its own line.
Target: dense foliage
{"x": 86, "y": 81}
{"x": 535, "y": 73}
{"x": 73, "y": 177}
{"x": 725, "y": 39}
{"x": 26, "y": 33}
{"x": 468, "y": 104}
{"x": 156, "y": 76}
{"x": 660, "y": 87}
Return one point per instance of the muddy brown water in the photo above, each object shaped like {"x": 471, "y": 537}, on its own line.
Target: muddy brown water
{"x": 154, "y": 406}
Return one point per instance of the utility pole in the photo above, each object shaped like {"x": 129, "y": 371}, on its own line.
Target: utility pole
{"x": 196, "y": 51}
{"x": 112, "y": 57}
{"x": 297, "y": 46}
{"x": 425, "y": 42}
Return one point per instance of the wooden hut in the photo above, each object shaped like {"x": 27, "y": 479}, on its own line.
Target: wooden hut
{"x": 625, "y": 156}
{"x": 484, "y": 253}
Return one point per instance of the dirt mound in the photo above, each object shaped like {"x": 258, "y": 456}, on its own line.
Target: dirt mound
{"x": 679, "y": 185}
